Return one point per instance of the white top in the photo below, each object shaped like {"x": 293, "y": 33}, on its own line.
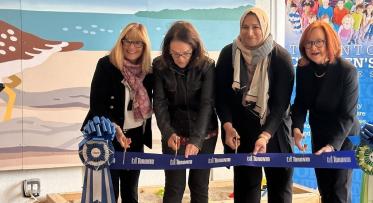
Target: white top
{"x": 129, "y": 120}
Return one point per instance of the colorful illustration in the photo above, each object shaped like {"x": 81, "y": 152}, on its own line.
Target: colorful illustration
{"x": 303, "y": 12}
{"x": 47, "y": 83}
{"x": 27, "y": 50}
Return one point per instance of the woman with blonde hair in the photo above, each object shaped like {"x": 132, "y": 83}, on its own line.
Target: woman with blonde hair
{"x": 326, "y": 88}
{"x": 121, "y": 91}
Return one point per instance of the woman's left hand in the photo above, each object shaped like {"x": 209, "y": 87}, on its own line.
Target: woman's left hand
{"x": 261, "y": 143}
{"x": 327, "y": 148}
{"x": 191, "y": 149}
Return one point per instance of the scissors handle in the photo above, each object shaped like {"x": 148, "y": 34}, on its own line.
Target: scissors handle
{"x": 235, "y": 142}
{"x": 176, "y": 146}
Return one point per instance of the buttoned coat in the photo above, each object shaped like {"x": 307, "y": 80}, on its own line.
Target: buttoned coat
{"x": 107, "y": 96}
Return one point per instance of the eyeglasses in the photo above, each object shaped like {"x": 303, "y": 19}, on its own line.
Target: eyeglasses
{"x": 318, "y": 43}
{"x": 137, "y": 44}
{"x": 186, "y": 54}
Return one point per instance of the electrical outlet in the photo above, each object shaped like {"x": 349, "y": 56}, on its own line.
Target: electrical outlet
{"x": 31, "y": 187}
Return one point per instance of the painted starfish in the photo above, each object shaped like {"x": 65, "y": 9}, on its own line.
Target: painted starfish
{"x": 21, "y": 50}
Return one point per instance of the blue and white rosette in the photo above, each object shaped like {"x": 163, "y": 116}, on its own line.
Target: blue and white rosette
{"x": 96, "y": 152}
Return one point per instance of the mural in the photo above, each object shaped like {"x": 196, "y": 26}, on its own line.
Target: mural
{"x": 48, "y": 53}
{"x": 352, "y": 20}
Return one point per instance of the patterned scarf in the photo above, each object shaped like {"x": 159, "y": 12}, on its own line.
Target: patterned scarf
{"x": 134, "y": 77}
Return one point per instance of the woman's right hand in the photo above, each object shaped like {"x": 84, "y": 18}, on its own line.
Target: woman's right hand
{"x": 232, "y": 139}
{"x": 298, "y": 137}
{"x": 174, "y": 142}
{"x": 122, "y": 139}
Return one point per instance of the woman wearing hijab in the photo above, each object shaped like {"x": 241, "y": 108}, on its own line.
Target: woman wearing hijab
{"x": 327, "y": 88}
{"x": 121, "y": 90}
{"x": 254, "y": 82}
{"x": 183, "y": 106}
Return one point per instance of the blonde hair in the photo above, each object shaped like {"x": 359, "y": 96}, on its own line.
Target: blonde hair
{"x": 348, "y": 17}
{"x": 139, "y": 32}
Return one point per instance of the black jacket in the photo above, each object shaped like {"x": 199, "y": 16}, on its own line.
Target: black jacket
{"x": 107, "y": 96}
{"x": 184, "y": 101}
{"x": 281, "y": 79}
{"x": 331, "y": 102}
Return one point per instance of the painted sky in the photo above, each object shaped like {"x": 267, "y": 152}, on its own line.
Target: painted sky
{"x": 118, "y": 6}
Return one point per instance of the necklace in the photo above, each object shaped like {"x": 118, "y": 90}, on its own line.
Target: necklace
{"x": 321, "y": 75}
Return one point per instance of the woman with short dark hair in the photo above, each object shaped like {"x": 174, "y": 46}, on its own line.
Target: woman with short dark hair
{"x": 183, "y": 106}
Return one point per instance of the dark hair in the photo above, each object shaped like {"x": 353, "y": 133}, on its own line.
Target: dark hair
{"x": 359, "y": 6}
{"x": 185, "y": 32}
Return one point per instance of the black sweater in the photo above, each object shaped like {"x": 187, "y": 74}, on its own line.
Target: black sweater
{"x": 281, "y": 80}
{"x": 331, "y": 101}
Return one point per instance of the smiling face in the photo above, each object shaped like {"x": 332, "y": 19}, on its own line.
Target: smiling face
{"x": 181, "y": 53}
{"x": 315, "y": 46}
{"x": 251, "y": 34}
{"x": 347, "y": 21}
{"x": 325, "y": 3}
{"x": 133, "y": 47}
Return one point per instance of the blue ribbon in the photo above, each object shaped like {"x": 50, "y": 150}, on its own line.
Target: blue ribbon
{"x": 147, "y": 161}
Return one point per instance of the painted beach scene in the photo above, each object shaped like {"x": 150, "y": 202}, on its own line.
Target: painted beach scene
{"x": 48, "y": 54}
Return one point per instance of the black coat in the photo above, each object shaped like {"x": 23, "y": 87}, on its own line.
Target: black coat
{"x": 331, "y": 101}
{"x": 184, "y": 101}
{"x": 108, "y": 95}
{"x": 281, "y": 79}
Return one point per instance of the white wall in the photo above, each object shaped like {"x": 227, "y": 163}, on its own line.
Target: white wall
{"x": 54, "y": 180}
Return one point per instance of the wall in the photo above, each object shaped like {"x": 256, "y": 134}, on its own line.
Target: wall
{"x": 41, "y": 132}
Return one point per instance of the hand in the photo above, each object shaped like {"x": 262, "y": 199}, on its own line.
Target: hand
{"x": 191, "y": 149}
{"x": 123, "y": 140}
{"x": 366, "y": 134}
{"x": 174, "y": 142}
{"x": 327, "y": 148}
{"x": 231, "y": 136}
{"x": 261, "y": 143}
{"x": 298, "y": 137}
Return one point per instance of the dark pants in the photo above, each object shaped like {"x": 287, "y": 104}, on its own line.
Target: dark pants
{"x": 247, "y": 180}
{"x": 198, "y": 181}
{"x": 247, "y": 184}
{"x": 127, "y": 180}
{"x": 334, "y": 185}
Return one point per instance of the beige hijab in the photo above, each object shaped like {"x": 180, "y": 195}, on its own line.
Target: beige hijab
{"x": 263, "y": 20}
{"x": 258, "y": 92}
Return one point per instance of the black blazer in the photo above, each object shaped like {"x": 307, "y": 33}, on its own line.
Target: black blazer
{"x": 281, "y": 80}
{"x": 331, "y": 101}
{"x": 108, "y": 95}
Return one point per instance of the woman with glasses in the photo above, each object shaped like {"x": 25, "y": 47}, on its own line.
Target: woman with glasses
{"x": 121, "y": 90}
{"x": 183, "y": 106}
{"x": 326, "y": 88}
{"x": 254, "y": 82}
